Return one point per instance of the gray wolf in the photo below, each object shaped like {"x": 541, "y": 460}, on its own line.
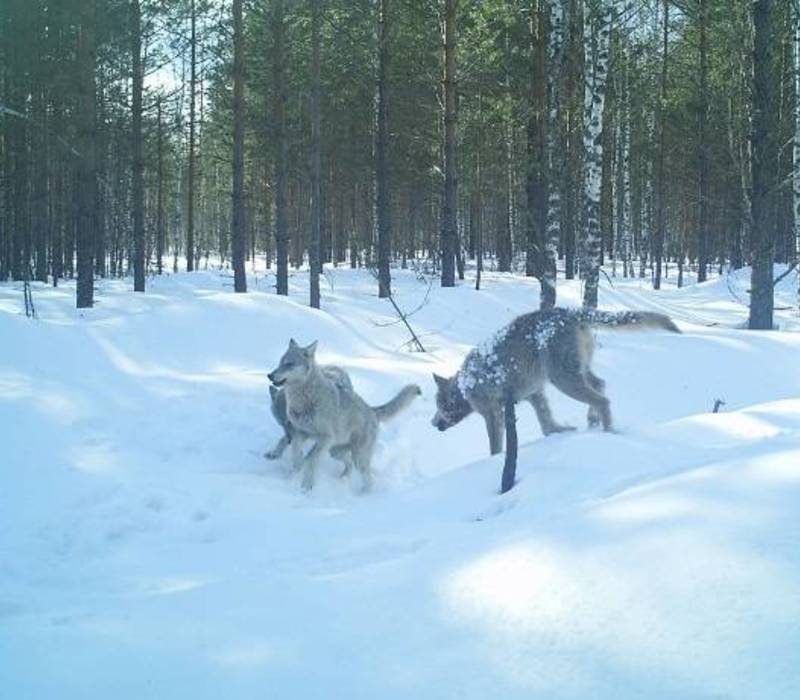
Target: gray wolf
{"x": 278, "y": 407}
{"x": 330, "y": 415}
{"x": 555, "y": 345}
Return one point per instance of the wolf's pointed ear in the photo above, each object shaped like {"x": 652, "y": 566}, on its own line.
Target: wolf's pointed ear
{"x": 440, "y": 381}
{"x": 311, "y": 349}
{"x": 292, "y": 343}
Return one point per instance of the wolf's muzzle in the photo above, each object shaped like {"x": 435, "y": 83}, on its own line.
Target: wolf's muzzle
{"x": 439, "y": 424}
{"x": 276, "y": 382}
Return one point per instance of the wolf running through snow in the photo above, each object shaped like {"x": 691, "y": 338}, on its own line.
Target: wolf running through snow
{"x": 278, "y": 408}
{"x": 555, "y": 345}
{"x": 330, "y": 414}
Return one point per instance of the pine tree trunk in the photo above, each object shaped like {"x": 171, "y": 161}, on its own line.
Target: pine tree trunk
{"x": 764, "y": 159}
{"x": 597, "y": 55}
{"x": 103, "y": 190}
{"x": 137, "y": 157}
{"x": 703, "y": 156}
{"x": 478, "y": 220}
{"x": 59, "y": 208}
{"x": 661, "y": 180}
{"x": 39, "y": 194}
{"x": 190, "y": 195}
{"x": 87, "y": 174}
{"x": 315, "y": 242}
{"x": 6, "y": 32}
{"x": 238, "y": 233}
{"x": 281, "y": 158}
{"x": 20, "y": 179}
{"x": 382, "y": 154}
{"x": 449, "y": 215}
{"x": 536, "y": 181}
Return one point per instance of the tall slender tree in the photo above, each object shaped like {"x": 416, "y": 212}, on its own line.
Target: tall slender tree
{"x": 702, "y": 142}
{"x": 450, "y": 199}
{"x": 87, "y": 172}
{"x": 191, "y": 165}
{"x": 315, "y": 242}
{"x": 555, "y": 157}
{"x": 764, "y": 158}
{"x": 661, "y": 175}
{"x": 596, "y": 41}
{"x": 382, "y": 153}
{"x": 137, "y": 144}
{"x": 571, "y": 124}
{"x": 796, "y": 143}
{"x": 281, "y": 150}
{"x": 160, "y": 187}
{"x": 238, "y": 233}
{"x": 536, "y": 181}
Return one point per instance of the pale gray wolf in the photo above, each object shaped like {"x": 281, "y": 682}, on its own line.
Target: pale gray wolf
{"x": 278, "y": 407}
{"x": 555, "y": 345}
{"x": 330, "y": 415}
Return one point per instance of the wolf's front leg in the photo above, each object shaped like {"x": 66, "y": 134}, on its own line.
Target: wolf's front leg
{"x": 494, "y": 427}
{"x": 279, "y": 449}
{"x": 298, "y": 456}
{"x": 320, "y": 448}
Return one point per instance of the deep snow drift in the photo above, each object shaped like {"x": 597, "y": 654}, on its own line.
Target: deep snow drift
{"x": 147, "y": 549}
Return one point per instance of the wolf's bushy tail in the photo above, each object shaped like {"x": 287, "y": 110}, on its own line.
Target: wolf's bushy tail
{"x": 628, "y": 320}
{"x": 400, "y": 402}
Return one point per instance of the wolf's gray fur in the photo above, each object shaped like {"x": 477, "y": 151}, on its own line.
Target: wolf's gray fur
{"x": 278, "y": 407}
{"x": 554, "y": 345}
{"x": 330, "y": 414}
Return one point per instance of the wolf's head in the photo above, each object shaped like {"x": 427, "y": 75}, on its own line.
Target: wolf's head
{"x": 295, "y": 364}
{"x": 451, "y": 406}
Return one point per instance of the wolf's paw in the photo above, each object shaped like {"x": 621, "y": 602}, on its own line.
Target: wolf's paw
{"x": 307, "y": 484}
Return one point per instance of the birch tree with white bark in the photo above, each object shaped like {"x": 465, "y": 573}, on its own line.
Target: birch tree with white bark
{"x": 555, "y": 61}
{"x": 796, "y": 148}
{"x": 597, "y": 32}
{"x": 624, "y": 244}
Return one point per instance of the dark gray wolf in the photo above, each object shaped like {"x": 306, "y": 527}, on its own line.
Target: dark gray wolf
{"x": 278, "y": 408}
{"x": 555, "y": 345}
{"x": 330, "y": 414}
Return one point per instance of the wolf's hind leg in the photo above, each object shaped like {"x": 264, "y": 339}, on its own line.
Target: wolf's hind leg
{"x": 577, "y": 387}
{"x": 343, "y": 453}
{"x": 593, "y": 418}
{"x": 362, "y": 458}
{"x": 546, "y": 422}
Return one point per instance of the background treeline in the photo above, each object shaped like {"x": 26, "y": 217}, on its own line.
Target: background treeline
{"x": 138, "y": 136}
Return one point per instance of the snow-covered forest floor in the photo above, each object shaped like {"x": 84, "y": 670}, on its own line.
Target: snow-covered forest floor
{"x": 148, "y": 550}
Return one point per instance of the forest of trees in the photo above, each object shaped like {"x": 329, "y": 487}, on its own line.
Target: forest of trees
{"x": 651, "y": 137}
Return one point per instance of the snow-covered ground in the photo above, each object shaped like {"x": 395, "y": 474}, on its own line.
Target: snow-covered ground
{"x": 148, "y": 550}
